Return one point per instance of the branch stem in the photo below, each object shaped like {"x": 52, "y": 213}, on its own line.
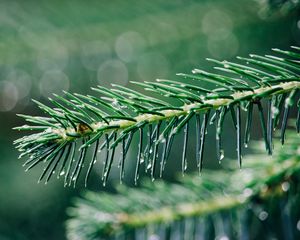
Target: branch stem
{"x": 66, "y": 134}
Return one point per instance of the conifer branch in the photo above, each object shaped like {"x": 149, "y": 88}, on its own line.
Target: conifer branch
{"x": 113, "y": 119}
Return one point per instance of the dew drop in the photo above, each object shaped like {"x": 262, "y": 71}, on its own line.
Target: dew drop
{"x": 149, "y": 165}
{"x": 62, "y": 173}
{"x": 247, "y": 192}
{"x": 154, "y": 237}
{"x": 223, "y": 238}
{"x": 298, "y": 225}
{"x": 221, "y": 154}
{"x": 285, "y": 186}
{"x": 263, "y": 215}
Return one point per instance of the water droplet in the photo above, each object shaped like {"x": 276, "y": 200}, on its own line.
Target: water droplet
{"x": 221, "y": 154}
{"x": 298, "y": 225}
{"x": 173, "y": 132}
{"x": 185, "y": 166}
{"x": 263, "y": 215}
{"x": 275, "y": 111}
{"x": 149, "y": 165}
{"x": 154, "y": 237}
{"x": 142, "y": 158}
{"x": 285, "y": 186}
{"x": 62, "y": 173}
{"x": 223, "y": 238}
{"x": 246, "y": 145}
{"x": 115, "y": 103}
{"x": 247, "y": 192}
{"x": 162, "y": 139}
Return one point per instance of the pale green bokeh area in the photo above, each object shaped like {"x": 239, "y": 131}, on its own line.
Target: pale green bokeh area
{"x": 50, "y": 46}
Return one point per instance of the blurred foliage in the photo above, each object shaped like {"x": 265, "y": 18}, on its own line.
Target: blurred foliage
{"x": 228, "y": 204}
{"x": 269, "y": 7}
{"x": 47, "y": 46}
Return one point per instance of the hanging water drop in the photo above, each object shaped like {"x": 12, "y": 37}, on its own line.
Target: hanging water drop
{"x": 298, "y": 225}
{"x": 221, "y": 154}
{"x": 142, "y": 160}
{"x": 263, "y": 215}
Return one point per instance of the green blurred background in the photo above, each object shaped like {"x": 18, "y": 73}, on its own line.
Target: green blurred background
{"x": 50, "y": 46}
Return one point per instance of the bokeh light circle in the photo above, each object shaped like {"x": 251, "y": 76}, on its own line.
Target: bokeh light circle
{"x": 152, "y": 65}
{"x": 129, "y": 46}
{"x": 53, "y": 81}
{"x": 95, "y": 53}
{"x": 9, "y": 96}
{"x": 112, "y": 71}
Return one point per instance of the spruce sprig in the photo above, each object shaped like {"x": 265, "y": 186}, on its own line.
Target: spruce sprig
{"x": 112, "y": 117}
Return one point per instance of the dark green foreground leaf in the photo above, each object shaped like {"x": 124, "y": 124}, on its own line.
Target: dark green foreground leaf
{"x": 217, "y": 205}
